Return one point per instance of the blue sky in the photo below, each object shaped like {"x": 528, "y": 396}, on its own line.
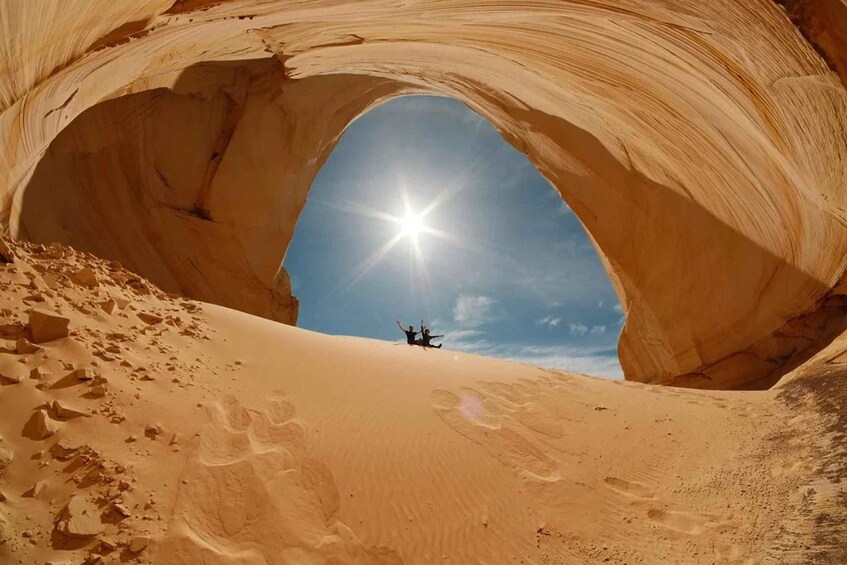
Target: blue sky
{"x": 502, "y": 266}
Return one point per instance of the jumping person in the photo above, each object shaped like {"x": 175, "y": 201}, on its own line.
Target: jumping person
{"x": 410, "y": 333}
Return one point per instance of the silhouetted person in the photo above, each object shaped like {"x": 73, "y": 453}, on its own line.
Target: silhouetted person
{"x": 410, "y": 333}
{"x": 426, "y": 339}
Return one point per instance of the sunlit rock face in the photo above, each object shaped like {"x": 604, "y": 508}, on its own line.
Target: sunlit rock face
{"x": 700, "y": 143}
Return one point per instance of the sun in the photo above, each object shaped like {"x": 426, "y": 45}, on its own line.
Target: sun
{"x": 411, "y": 224}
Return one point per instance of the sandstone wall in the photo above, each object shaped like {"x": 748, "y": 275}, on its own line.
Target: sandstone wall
{"x": 701, "y": 145}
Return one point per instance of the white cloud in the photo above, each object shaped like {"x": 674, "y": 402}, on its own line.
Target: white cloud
{"x": 618, "y": 308}
{"x": 578, "y": 329}
{"x": 472, "y": 310}
{"x": 597, "y": 330}
{"x": 548, "y": 321}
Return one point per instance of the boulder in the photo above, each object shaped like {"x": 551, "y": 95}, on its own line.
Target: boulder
{"x": 64, "y": 449}
{"x": 139, "y": 544}
{"x": 80, "y": 519}
{"x": 108, "y": 306}
{"x": 40, "y": 373}
{"x": 6, "y": 253}
{"x": 153, "y": 431}
{"x": 86, "y": 277}
{"x": 8, "y": 377}
{"x": 83, "y": 374}
{"x": 47, "y": 326}
{"x": 63, "y": 411}
{"x": 39, "y": 426}
{"x": 36, "y": 490}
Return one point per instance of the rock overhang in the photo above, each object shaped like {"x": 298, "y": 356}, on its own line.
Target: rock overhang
{"x": 698, "y": 145}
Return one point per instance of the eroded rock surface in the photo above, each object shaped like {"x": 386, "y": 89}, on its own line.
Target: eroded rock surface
{"x": 700, "y": 143}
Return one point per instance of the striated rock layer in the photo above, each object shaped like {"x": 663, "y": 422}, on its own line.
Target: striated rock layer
{"x": 700, "y": 143}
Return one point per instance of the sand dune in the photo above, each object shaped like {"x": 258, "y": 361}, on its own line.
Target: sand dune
{"x": 205, "y": 435}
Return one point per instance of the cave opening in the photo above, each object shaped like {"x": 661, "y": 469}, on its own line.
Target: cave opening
{"x": 423, "y": 211}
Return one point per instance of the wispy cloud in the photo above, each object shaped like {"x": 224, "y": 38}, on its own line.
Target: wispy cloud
{"x": 548, "y": 321}
{"x": 597, "y": 330}
{"x": 578, "y": 329}
{"x": 591, "y": 360}
{"x": 472, "y": 310}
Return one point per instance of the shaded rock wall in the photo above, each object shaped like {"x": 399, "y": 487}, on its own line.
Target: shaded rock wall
{"x": 702, "y": 146}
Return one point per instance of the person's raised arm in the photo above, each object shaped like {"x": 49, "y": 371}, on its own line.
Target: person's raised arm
{"x": 400, "y": 326}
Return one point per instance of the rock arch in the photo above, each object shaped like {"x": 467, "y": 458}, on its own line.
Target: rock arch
{"x": 697, "y": 144}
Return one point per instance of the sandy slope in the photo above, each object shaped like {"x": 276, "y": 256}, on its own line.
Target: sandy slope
{"x": 279, "y": 445}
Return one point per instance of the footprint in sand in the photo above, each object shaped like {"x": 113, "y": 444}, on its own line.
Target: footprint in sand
{"x": 251, "y": 492}
{"x": 683, "y": 522}
{"x": 629, "y": 488}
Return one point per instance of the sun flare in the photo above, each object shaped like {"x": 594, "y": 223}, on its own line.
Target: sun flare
{"x": 411, "y": 224}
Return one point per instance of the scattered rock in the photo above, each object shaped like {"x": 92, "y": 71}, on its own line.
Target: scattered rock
{"x": 121, "y": 509}
{"x": 86, "y": 277}
{"x": 34, "y": 297}
{"x": 24, "y": 347}
{"x": 131, "y": 439}
{"x": 600, "y": 408}
{"x": 36, "y": 490}
{"x": 174, "y": 440}
{"x": 64, "y": 412}
{"x": 47, "y": 326}
{"x": 138, "y": 544}
{"x": 6, "y": 456}
{"x": 153, "y": 431}
{"x": 79, "y": 519}
{"x": 2, "y": 496}
{"x": 39, "y": 426}
{"x": 150, "y": 319}
{"x": 98, "y": 391}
